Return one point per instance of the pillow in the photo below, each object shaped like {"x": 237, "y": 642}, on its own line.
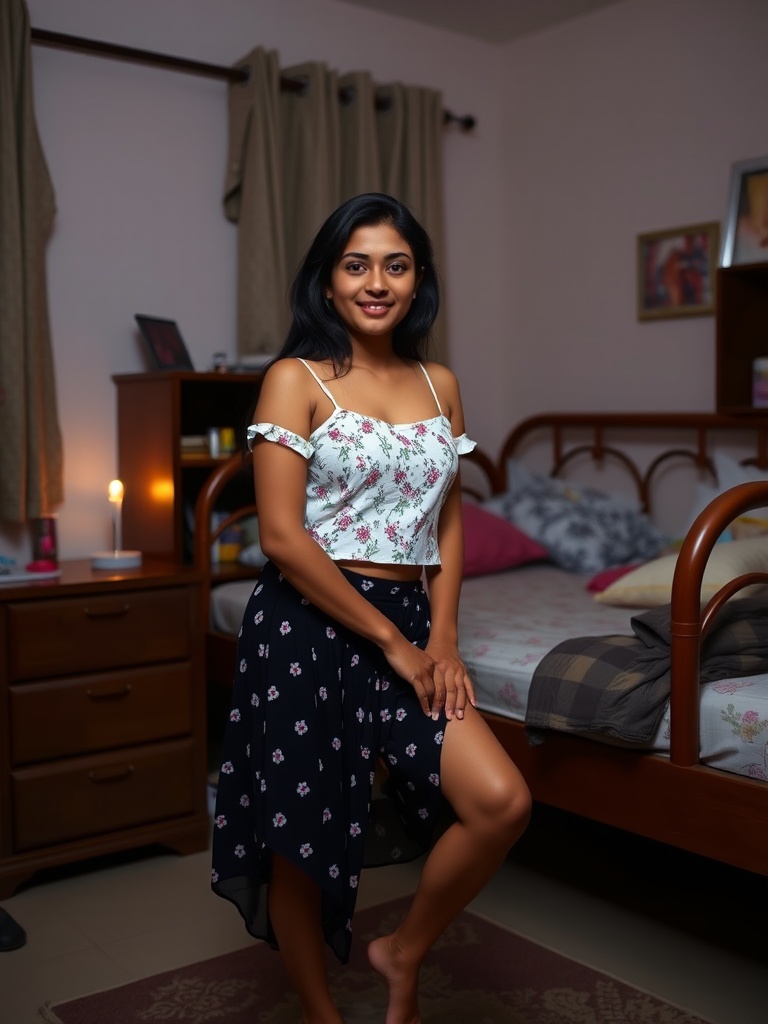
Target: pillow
{"x": 250, "y": 552}
{"x": 604, "y": 579}
{"x": 252, "y": 555}
{"x": 583, "y": 529}
{"x": 651, "y": 584}
{"x": 730, "y": 473}
{"x": 492, "y": 544}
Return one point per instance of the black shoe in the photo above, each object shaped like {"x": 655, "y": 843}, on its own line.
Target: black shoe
{"x": 12, "y": 935}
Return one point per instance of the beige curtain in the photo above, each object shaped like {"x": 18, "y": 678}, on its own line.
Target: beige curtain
{"x": 311, "y": 156}
{"x": 296, "y": 154}
{"x": 253, "y": 198}
{"x": 410, "y": 132}
{"x": 360, "y": 159}
{"x": 31, "y": 449}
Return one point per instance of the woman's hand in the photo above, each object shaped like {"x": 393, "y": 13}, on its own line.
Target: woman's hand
{"x": 438, "y": 675}
{"x": 415, "y": 667}
{"x": 452, "y": 684}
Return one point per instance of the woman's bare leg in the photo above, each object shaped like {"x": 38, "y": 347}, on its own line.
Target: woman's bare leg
{"x": 492, "y": 804}
{"x": 294, "y": 908}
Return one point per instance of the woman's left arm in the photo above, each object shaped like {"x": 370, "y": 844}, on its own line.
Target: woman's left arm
{"x": 453, "y": 686}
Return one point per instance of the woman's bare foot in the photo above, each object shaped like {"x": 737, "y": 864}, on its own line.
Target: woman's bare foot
{"x": 402, "y": 980}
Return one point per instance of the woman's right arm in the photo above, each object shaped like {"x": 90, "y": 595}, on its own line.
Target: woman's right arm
{"x": 280, "y": 476}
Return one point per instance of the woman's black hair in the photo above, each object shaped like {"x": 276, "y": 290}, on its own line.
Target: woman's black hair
{"x": 317, "y": 331}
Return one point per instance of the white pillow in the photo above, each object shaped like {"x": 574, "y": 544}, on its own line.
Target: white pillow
{"x": 253, "y": 556}
{"x": 651, "y": 584}
{"x": 731, "y": 473}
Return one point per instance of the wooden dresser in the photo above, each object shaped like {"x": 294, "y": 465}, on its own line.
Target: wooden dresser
{"x": 102, "y": 716}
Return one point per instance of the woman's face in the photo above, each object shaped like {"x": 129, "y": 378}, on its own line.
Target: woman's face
{"x": 373, "y": 284}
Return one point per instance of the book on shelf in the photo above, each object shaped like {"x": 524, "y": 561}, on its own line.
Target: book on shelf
{"x": 194, "y": 444}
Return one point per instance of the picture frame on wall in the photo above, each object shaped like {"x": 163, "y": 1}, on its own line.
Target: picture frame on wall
{"x": 676, "y": 271}
{"x": 745, "y": 239}
{"x": 163, "y": 343}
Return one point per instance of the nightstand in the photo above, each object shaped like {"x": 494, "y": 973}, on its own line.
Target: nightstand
{"x": 102, "y": 716}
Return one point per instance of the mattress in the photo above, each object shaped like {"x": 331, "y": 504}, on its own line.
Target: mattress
{"x": 509, "y": 620}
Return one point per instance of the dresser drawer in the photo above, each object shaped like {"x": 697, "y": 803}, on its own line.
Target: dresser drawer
{"x": 83, "y": 714}
{"x": 88, "y": 633}
{"x": 89, "y": 796}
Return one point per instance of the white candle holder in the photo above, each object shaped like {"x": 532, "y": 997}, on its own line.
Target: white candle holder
{"x": 117, "y": 558}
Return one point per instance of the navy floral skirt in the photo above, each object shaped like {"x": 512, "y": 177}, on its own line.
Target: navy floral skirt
{"x": 314, "y": 706}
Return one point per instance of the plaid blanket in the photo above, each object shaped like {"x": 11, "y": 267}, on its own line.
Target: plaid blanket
{"x": 619, "y": 685}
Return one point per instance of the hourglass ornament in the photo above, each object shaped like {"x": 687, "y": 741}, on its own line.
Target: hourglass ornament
{"x": 118, "y": 558}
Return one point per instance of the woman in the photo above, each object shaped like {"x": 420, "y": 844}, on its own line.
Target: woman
{"x": 343, "y": 659}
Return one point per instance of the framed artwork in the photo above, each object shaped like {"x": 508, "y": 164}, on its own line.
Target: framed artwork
{"x": 746, "y": 227}
{"x": 164, "y": 343}
{"x": 676, "y": 271}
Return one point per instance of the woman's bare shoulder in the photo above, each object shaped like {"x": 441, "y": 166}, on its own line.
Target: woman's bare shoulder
{"x": 285, "y": 372}
{"x": 287, "y": 395}
{"x": 444, "y": 381}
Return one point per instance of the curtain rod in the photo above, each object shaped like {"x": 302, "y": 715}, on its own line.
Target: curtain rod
{"x": 195, "y": 67}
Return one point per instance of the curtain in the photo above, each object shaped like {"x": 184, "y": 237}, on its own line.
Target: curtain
{"x": 311, "y": 156}
{"x": 324, "y": 143}
{"x": 31, "y": 449}
{"x": 410, "y": 131}
{"x": 360, "y": 159}
{"x": 253, "y": 199}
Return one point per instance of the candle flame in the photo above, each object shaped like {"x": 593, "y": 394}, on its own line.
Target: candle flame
{"x": 116, "y": 491}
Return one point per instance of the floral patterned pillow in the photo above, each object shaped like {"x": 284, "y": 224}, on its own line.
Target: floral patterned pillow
{"x": 583, "y": 529}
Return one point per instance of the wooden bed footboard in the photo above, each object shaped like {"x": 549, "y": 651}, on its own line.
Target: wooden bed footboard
{"x": 675, "y": 800}
{"x": 220, "y": 648}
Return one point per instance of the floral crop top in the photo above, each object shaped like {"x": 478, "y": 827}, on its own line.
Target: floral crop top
{"x": 375, "y": 489}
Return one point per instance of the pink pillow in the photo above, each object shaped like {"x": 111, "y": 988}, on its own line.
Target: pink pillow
{"x": 492, "y": 544}
{"x": 604, "y": 579}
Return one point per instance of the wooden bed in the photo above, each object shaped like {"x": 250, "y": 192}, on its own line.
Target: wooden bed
{"x": 673, "y": 799}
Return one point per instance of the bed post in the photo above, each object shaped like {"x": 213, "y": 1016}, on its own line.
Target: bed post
{"x": 688, "y": 623}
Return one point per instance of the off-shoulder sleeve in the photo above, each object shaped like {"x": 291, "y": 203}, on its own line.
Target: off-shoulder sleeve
{"x": 272, "y": 432}
{"x": 464, "y": 445}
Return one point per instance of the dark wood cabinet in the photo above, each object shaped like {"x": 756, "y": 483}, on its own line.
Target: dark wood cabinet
{"x": 157, "y": 414}
{"x": 102, "y": 716}
{"x": 741, "y": 334}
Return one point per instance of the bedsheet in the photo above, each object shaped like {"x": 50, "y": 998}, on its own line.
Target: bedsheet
{"x": 509, "y": 620}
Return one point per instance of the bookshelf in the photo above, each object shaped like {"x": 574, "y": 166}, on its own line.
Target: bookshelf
{"x": 163, "y": 419}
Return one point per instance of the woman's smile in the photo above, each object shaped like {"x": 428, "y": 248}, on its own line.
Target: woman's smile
{"x": 375, "y": 308}
{"x": 372, "y": 285}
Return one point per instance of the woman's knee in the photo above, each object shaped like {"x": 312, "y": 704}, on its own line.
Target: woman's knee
{"x": 482, "y": 784}
{"x": 500, "y": 809}
{"x": 510, "y": 807}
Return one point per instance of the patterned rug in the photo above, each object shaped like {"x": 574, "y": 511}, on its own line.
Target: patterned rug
{"x": 478, "y": 973}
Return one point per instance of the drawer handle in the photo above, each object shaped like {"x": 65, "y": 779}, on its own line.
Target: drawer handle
{"x": 112, "y": 774}
{"x": 109, "y": 694}
{"x": 107, "y": 613}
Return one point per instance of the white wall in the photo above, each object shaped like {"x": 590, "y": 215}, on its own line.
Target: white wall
{"x": 618, "y": 122}
{"x": 137, "y": 157}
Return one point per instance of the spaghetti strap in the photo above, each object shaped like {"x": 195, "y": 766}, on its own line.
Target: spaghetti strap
{"x": 432, "y": 388}
{"x": 324, "y": 388}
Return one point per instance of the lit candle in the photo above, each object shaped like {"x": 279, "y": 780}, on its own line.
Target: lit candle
{"x": 116, "y": 492}
{"x": 117, "y": 558}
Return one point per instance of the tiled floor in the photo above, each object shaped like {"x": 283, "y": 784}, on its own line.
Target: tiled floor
{"x": 684, "y": 929}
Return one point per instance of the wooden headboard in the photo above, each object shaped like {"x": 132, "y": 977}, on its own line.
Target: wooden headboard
{"x": 640, "y": 447}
